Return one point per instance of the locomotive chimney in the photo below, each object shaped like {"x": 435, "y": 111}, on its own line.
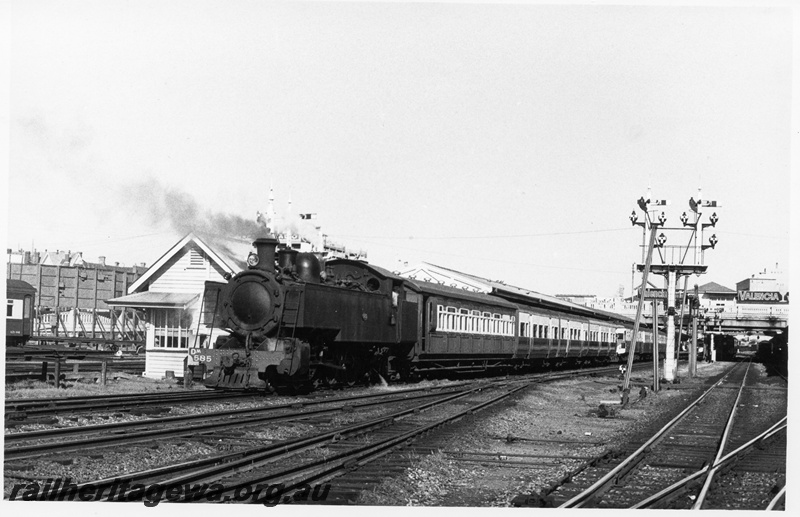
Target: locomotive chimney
{"x": 265, "y": 249}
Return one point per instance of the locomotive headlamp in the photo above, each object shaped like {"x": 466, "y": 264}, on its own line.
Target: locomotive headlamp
{"x": 252, "y": 259}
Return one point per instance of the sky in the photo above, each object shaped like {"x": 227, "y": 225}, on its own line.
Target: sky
{"x": 509, "y": 141}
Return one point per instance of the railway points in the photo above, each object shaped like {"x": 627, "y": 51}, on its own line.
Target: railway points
{"x": 280, "y": 337}
{"x": 290, "y": 412}
{"x": 695, "y": 441}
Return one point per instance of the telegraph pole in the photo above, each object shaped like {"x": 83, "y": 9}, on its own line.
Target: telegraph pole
{"x": 672, "y": 265}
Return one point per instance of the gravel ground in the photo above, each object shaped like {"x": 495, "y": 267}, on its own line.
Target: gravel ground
{"x": 107, "y": 462}
{"x": 520, "y": 446}
{"x": 554, "y": 427}
{"x": 38, "y": 389}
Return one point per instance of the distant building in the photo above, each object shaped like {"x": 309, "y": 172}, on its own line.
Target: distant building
{"x": 717, "y": 297}
{"x": 764, "y": 287}
{"x": 71, "y": 293}
{"x": 61, "y": 258}
{"x": 582, "y": 299}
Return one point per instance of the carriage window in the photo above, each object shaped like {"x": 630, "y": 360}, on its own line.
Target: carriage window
{"x": 9, "y": 308}
{"x": 26, "y": 308}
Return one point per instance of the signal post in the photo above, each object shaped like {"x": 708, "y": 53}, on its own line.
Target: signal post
{"x": 673, "y": 263}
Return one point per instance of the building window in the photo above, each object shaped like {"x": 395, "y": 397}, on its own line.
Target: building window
{"x": 172, "y": 328}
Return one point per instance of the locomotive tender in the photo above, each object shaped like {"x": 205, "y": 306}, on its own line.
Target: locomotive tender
{"x": 293, "y": 323}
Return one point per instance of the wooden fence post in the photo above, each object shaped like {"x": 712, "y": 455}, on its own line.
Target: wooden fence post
{"x": 188, "y": 373}
{"x": 57, "y": 372}
{"x": 44, "y": 371}
{"x": 103, "y": 372}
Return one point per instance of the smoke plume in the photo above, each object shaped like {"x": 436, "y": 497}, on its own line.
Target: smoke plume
{"x": 168, "y": 206}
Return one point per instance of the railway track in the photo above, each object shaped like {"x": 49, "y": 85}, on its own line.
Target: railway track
{"x": 410, "y": 417}
{"x": 23, "y": 408}
{"x": 679, "y": 466}
{"x": 57, "y": 440}
{"x": 93, "y": 403}
{"x": 325, "y": 455}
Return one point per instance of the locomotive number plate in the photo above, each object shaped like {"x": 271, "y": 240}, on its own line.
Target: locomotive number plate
{"x": 198, "y": 355}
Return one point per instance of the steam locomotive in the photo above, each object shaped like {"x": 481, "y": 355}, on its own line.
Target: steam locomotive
{"x": 293, "y": 322}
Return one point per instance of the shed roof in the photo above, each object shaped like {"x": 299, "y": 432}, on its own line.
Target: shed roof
{"x": 151, "y": 300}
{"x": 455, "y": 292}
{"x": 522, "y": 295}
{"x": 18, "y": 285}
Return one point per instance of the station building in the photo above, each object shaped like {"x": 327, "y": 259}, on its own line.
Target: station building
{"x": 170, "y": 294}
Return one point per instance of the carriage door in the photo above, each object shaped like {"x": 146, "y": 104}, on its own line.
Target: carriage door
{"x": 524, "y": 339}
{"x": 27, "y": 321}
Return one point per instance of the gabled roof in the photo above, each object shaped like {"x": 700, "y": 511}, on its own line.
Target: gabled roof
{"x": 228, "y": 254}
{"x": 713, "y": 287}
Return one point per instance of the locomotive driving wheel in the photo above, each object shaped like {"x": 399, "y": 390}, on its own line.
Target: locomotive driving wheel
{"x": 353, "y": 369}
{"x": 349, "y": 372}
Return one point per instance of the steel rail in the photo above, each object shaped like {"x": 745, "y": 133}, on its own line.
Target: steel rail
{"x": 63, "y": 431}
{"x": 776, "y": 499}
{"x": 56, "y": 406}
{"x": 212, "y": 467}
{"x": 177, "y": 431}
{"x": 731, "y": 456}
{"x": 580, "y": 499}
{"x": 698, "y": 504}
{"x": 100, "y": 398}
{"x": 328, "y": 468}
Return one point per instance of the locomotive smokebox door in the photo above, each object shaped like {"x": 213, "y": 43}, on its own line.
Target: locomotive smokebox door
{"x": 253, "y": 302}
